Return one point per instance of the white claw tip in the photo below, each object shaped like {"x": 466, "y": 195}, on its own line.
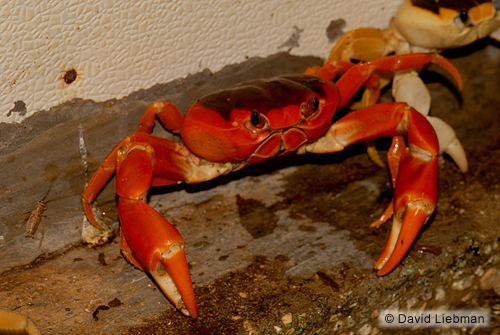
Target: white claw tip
{"x": 456, "y": 151}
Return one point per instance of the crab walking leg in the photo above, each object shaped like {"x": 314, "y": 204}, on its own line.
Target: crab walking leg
{"x": 98, "y": 180}
{"x": 371, "y": 81}
{"x": 148, "y": 241}
{"x": 349, "y": 83}
{"x": 152, "y": 240}
{"x": 414, "y": 167}
{"x": 168, "y": 114}
{"x": 355, "y": 77}
{"x": 174, "y": 168}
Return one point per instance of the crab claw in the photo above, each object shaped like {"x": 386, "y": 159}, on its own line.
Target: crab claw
{"x": 415, "y": 196}
{"x": 158, "y": 248}
{"x": 402, "y": 235}
{"x": 148, "y": 240}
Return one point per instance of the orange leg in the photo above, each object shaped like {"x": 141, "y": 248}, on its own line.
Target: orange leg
{"x": 168, "y": 114}
{"x": 339, "y": 67}
{"x": 98, "y": 180}
{"x": 171, "y": 168}
{"x": 149, "y": 240}
{"x": 356, "y": 77}
{"x": 331, "y": 69}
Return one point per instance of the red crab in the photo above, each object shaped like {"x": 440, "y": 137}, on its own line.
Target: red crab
{"x": 250, "y": 123}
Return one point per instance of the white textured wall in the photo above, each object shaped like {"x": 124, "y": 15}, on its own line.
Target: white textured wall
{"x": 119, "y": 46}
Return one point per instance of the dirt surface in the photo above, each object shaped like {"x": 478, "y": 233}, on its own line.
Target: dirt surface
{"x": 286, "y": 248}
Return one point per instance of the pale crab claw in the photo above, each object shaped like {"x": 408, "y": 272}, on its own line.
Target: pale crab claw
{"x": 408, "y": 87}
{"x": 449, "y": 143}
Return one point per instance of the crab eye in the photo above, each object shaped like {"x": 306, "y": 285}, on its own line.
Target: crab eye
{"x": 464, "y": 16}
{"x": 462, "y": 19}
{"x": 309, "y": 107}
{"x": 315, "y": 104}
{"x": 257, "y": 120}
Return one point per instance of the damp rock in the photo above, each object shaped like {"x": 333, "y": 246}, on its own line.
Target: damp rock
{"x": 409, "y": 270}
{"x": 287, "y": 319}
{"x": 491, "y": 261}
{"x": 365, "y": 314}
{"x": 396, "y": 284}
{"x": 411, "y": 302}
{"x": 346, "y": 295}
{"x": 440, "y": 294}
{"x": 429, "y": 270}
{"x": 467, "y": 297}
{"x": 427, "y": 294}
{"x": 487, "y": 249}
{"x": 424, "y": 281}
{"x": 335, "y": 317}
{"x": 459, "y": 264}
{"x": 351, "y": 322}
{"x": 490, "y": 279}
{"x": 475, "y": 247}
{"x": 373, "y": 297}
{"x": 462, "y": 284}
{"x": 249, "y": 328}
{"x": 458, "y": 274}
{"x": 365, "y": 330}
{"x": 479, "y": 271}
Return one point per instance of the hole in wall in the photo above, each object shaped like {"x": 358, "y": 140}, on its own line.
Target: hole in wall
{"x": 70, "y": 76}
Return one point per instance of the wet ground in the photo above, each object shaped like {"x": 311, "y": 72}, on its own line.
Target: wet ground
{"x": 281, "y": 248}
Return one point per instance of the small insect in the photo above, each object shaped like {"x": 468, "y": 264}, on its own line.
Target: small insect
{"x": 34, "y": 218}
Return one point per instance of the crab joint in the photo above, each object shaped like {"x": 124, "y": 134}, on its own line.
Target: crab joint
{"x": 420, "y": 153}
